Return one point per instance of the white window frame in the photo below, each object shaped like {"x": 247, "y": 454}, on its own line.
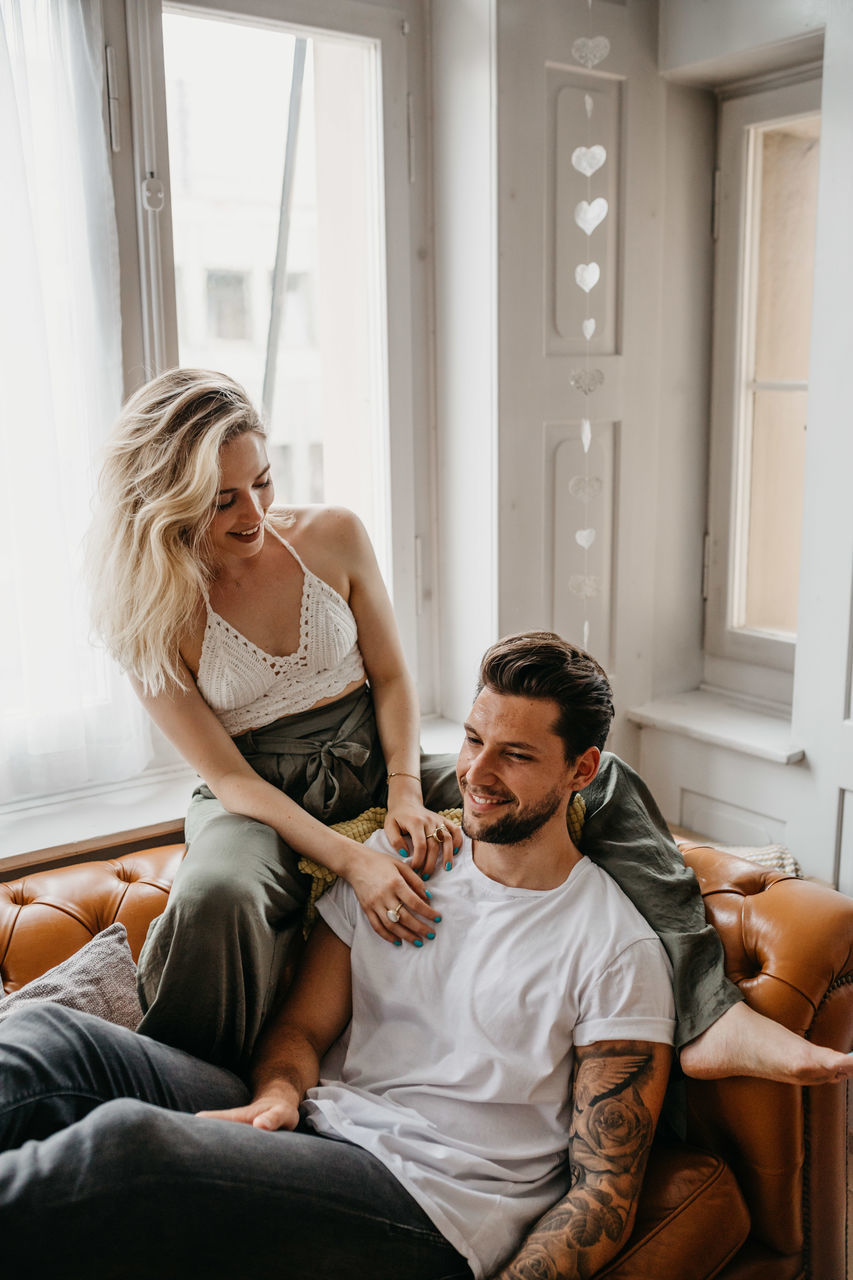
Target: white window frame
{"x": 141, "y": 179}
{"x": 749, "y": 661}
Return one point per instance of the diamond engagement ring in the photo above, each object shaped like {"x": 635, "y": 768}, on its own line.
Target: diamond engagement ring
{"x": 393, "y": 913}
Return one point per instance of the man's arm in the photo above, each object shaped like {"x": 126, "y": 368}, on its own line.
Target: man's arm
{"x": 617, "y": 1096}
{"x": 287, "y": 1059}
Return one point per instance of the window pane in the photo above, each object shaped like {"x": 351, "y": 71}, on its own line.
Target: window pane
{"x": 786, "y": 213}
{"x": 227, "y": 139}
{"x": 775, "y": 510}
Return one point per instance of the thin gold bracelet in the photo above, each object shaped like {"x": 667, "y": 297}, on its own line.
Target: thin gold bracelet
{"x": 399, "y": 773}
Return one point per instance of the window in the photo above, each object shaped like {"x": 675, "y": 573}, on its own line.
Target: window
{"x": 302, "y": 167}
{"x": 82, "y": 334}
{"x": 768, "y": 169}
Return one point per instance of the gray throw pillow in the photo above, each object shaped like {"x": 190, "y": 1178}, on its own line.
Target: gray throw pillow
{"x": 100, "y": 978}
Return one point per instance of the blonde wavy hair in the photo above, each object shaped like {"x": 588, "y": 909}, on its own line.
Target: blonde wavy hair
{"x": 147, "y": 555}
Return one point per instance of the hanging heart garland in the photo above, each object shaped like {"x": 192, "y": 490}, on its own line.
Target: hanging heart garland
{"x": 589, "y": 214}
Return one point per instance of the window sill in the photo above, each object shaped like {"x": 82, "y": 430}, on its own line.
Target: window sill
{"x": 66, "y": 826}
{"x": 723, "y": 722}
{"x": 75, "y": 824}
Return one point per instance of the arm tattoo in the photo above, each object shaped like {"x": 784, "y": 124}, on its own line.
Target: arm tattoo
{"x": 609, "y": 1141}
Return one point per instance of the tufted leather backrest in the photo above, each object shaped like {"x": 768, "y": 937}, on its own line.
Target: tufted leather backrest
{"x": 46, "y": 917}
{"x": 789, "y": 947}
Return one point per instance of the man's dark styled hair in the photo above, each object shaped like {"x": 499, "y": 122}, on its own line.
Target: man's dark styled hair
{"x": 540, "y": 664}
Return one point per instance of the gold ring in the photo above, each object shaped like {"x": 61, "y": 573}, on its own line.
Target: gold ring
{"x": 393, "y": 913}
{"x": 438, "y": 834}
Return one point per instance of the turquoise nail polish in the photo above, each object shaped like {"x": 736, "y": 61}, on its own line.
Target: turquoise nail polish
{"x": 425, "y": 876}
{"x": 404, "y": 853}
{"x": 427, "y": 892}
{"x": 436, "y": 919}
{"x": 398, "y": 942}
{"x": 419, "y": 942}
{"x": 430, "y": 935}
{"x": 448, "y": 866}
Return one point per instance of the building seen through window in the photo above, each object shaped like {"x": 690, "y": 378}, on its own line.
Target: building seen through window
{"x": 783, "y": 195}
{"x": 228, "y": 137}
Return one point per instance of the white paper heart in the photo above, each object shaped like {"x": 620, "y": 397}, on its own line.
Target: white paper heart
{"x": 586, "y": 434}
{"x": 585, "y": 585}
{"x": 585, "y": 487}
{"x": 587, "y": 160}
{"x": 586, "y": 380}
{"x": 585, "y": 538}
{"x": 587, "y": 275}
{"x": 588, "y": 328}
{"x": 587, "y": 105}
{"x": 589, "y": 216}
{"x": 590, "y": 51}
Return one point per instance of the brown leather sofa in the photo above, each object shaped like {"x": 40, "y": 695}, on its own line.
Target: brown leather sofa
{"x": 761, "y": 1192}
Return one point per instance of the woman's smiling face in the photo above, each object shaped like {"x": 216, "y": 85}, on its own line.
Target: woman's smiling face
{"x": 245, "y": 494}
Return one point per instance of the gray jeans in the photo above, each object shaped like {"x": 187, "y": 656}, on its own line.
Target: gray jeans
{"x": 106, "y": 1173}
{"x": 215, "y": 959}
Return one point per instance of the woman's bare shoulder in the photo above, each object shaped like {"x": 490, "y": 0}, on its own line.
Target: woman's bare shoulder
{"x": 335, "y": 528}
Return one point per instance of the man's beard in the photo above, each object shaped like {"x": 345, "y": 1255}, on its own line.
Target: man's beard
{"x": 514, "y": 828}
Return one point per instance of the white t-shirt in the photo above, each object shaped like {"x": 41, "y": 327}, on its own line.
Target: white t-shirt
{"x": 456, "y": 1069}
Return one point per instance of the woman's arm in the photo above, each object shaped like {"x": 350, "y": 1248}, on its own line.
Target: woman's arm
{"x": 394, "y": 696}
{"x": 379, "y": 881}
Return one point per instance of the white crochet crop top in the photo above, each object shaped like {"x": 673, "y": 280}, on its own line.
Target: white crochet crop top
{"x": 248, "y": 688}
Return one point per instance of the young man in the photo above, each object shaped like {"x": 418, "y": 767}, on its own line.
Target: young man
{"x": 479, "y": 1104}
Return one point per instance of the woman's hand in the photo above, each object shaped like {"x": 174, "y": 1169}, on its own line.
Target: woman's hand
{"x": 423, "y": 835}
{"x": 385, "y": 884}
{"x": 417, "y": 832}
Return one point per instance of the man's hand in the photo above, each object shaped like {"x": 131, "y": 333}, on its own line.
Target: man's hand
{"x": 274, "y": 1109}
{"x": 287, "y": 1059}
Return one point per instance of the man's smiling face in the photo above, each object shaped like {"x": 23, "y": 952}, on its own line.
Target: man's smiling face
{"x": 512, "y": 769}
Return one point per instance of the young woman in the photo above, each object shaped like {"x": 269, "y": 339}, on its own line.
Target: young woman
{"x": 263, "y": 644}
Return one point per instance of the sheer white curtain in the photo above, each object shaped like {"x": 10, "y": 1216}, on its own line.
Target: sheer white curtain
{"x": 67, "y": 716}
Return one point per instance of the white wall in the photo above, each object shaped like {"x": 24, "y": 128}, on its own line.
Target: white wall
{"x": 500, "y": 83}
{"x": 710, "y": 41}
{"x": 822, "y": 675}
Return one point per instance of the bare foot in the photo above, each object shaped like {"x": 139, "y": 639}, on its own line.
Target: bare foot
{"x": 745, "y": 1043}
